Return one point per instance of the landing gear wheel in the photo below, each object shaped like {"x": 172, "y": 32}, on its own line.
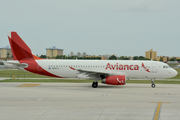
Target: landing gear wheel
{"x": 94, "y": 84}
{"x": 153, "y": 85}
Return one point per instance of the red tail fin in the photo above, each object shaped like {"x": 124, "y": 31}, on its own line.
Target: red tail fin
{"x": 19, "y": 48}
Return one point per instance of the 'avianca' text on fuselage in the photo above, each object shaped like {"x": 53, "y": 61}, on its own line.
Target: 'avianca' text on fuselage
{"x": 121, "y": 67}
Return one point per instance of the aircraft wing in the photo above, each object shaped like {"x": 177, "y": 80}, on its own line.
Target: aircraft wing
{"x": 93, "y": 73}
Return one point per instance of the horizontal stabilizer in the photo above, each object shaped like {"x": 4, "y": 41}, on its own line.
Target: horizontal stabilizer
{"x": 15, "y": 64}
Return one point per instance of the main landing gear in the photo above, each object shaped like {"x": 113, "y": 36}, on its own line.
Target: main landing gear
{"x": 95, "y": 84}
{"x": 153, "y": 85}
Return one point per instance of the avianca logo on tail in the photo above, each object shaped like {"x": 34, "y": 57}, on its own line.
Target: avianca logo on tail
{"x": 121, "y": 67}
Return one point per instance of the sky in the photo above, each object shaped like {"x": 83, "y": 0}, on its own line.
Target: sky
{"x": 97, "y": 27}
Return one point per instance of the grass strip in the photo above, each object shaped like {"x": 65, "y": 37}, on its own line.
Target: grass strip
{"x": 19, "y": 74}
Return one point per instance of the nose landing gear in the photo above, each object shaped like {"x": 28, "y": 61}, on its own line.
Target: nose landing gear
{"x": 153, "y": 85}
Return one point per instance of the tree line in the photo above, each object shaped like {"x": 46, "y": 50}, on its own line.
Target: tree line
{"x": 112, "y": 57}
{"x": 68, "y": 57}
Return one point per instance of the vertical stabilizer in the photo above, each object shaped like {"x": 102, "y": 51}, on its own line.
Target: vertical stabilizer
{"x": 19, "y": 48}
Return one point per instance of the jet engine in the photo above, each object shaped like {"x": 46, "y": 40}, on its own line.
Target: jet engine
{"x": 115, "y": 80}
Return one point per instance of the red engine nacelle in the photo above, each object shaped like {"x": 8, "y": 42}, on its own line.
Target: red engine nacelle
{"x": 115, "y": 80}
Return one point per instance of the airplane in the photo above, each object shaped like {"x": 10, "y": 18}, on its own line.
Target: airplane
{"x": 112, "y": 72}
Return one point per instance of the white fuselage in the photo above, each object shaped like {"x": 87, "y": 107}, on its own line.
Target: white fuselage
{"x": 132, "y": 69}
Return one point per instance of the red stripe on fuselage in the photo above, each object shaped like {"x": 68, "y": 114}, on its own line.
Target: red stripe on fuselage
{"x": 33, "y": 67}
{"x": 72, "y": 68}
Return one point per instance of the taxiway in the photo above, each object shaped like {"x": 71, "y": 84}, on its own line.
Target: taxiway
{"x": 79, "y": 101}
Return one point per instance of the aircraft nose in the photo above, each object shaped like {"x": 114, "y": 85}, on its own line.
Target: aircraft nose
{"x": 174, "y": 73}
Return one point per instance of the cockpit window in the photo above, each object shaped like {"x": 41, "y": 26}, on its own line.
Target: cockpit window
{"x": 166, "y": 67}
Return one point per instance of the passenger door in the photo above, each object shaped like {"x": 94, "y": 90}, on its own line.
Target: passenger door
{"x": 154, "y": 67}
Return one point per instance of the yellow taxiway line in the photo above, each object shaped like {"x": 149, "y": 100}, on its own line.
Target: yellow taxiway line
{"x": 158, "y": 109}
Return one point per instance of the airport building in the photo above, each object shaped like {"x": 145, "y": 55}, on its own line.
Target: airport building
{"x": 5, "y": 52}
{"x": 162, "y": 58}
{"x": 78, "y": 54}
{"x": 151, "y": 54}
{"x": 130, "y": 58}
{"x": 71, "y": 54}
{"x": 53, "y": 52}
{"x": 84, "y": 54}
{"x": 6, "y": 59}
{"x": 107, "y": 56}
